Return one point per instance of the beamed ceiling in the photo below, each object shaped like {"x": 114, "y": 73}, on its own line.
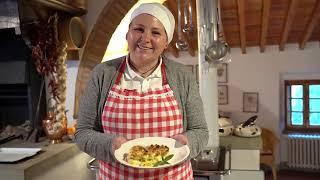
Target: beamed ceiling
{"x": 246, "y": 23}
{"x": 259, "y": 23}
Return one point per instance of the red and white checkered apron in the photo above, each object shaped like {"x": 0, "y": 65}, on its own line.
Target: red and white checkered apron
{"x": 133, "y": 114}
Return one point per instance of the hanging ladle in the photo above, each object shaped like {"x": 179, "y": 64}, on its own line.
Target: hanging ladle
{"x": 218, "y": 52}
{"x": 180, "y": 44}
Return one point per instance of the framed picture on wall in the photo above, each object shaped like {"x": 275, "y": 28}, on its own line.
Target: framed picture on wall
{"x": 250, "y": 102}
{"x": 222, "y": 94}
{"x": 222, "y": 73}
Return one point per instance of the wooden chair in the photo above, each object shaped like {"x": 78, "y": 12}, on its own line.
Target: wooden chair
{"x": 267, "y": 154}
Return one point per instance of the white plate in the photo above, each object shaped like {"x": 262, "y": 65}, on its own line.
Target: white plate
{"x": 16, "y": 154}
{"x": 180, "y": 152}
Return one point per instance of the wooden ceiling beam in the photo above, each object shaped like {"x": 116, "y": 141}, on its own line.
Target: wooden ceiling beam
{"x": 288, "y": 23}
{"x": 241, "y": 15}
{"x": 264, "y": 27}
{"x": 313, "y": 20}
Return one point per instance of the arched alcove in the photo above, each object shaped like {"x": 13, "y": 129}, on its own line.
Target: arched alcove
{"x": 98, "y": 40}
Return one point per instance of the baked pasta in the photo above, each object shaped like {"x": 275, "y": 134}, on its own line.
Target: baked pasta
{"x": 149, "y": 156}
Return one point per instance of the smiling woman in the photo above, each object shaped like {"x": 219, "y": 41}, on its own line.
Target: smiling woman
{"x": 147, "y": 39}
{"x": 142, "y": 95}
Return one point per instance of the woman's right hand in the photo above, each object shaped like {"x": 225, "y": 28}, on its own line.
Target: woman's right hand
{"x": 117, "y": 142}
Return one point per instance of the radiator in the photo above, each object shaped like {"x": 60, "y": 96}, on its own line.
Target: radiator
{"x": 304, "y": 151}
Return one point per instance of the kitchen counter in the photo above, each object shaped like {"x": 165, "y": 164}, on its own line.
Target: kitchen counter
{"x": 245, "y": 157}
{"x": 237, "y": 142}
{"x": 55, "y": 161}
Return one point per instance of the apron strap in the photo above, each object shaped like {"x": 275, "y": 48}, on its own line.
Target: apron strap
{"x": 123, "y": 66}
{"x": 121, "y": 70}
{"x": 163, "y": 73}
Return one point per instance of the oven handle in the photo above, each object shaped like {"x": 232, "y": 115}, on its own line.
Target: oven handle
{"x": 228, "y": 171}
{"x": 92, "y": 165}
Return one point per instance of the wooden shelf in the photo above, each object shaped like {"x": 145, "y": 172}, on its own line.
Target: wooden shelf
{"x": 62, "y": 6}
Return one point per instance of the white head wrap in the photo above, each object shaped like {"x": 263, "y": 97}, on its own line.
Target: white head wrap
{"x": 160, "y": 12}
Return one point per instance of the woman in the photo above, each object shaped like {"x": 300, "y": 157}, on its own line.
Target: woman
{"x": 141, "y": 95}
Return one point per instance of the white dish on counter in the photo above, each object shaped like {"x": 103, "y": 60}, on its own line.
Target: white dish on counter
{"x": 15, "y": 154}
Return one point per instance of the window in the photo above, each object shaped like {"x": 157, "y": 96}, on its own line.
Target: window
{"x": 302, "y": 105}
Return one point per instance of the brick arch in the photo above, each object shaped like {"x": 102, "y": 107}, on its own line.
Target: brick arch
{"x": 98, "y": 40}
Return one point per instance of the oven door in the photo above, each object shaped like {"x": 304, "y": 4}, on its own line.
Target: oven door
{"x": 212, "y": 164}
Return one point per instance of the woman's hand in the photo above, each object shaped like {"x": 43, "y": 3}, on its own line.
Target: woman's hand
{"x": 181, "y": 138}
{"x": 117, "y": 142}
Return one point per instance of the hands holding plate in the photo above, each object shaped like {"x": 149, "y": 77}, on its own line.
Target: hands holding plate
{"x": 178, "y": 152}
{"x": 117, "y": 142}
{"x": 181, "y": 138}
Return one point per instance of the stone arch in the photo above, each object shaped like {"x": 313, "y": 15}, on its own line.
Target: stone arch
{"x": 98, "y": 40}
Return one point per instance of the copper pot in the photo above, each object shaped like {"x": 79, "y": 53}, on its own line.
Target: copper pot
{"x": 53, "y": 129}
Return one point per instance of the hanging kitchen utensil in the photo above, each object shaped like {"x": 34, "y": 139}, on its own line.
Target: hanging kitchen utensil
{"x": 181, "y": 44}
{"x": 218, "y": 52}
{"x": 188, "y": 24}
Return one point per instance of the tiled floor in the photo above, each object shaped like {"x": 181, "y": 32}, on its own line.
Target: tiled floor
{"x": 293, "y": 175}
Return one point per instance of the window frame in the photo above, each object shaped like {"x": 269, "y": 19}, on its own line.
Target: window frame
{"x": 305, "y": 128}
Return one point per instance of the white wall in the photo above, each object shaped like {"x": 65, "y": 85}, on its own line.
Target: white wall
{"x": 264, "y": 73}
{"x": 72, "y": 71}
{"x": 261, "y": 72}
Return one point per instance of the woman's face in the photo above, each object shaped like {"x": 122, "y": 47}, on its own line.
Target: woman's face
{"x": 146, "y": 38}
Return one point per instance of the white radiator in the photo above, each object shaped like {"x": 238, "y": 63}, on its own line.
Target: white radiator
{"x": 304, "y": 151}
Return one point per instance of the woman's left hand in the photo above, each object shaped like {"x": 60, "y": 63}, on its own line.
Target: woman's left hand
{"x": 117, "y": 142}
{"x": 181, "y": 138}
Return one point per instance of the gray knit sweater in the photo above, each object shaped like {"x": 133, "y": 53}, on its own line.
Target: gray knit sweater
{"x": 89, "y": 135}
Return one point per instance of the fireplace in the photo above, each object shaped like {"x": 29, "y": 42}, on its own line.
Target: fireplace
{"x": 20, "y": 84}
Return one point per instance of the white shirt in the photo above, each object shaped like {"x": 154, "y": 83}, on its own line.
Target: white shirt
{"x": 131, "y": 80}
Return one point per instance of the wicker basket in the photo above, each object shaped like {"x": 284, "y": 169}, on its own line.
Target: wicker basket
{"x": 72, "y": 31}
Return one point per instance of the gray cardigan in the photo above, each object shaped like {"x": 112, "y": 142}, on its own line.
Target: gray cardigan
{"x": 89, "y": 135}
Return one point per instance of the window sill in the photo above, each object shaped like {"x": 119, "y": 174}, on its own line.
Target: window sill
{"x": 301, "y": 131}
